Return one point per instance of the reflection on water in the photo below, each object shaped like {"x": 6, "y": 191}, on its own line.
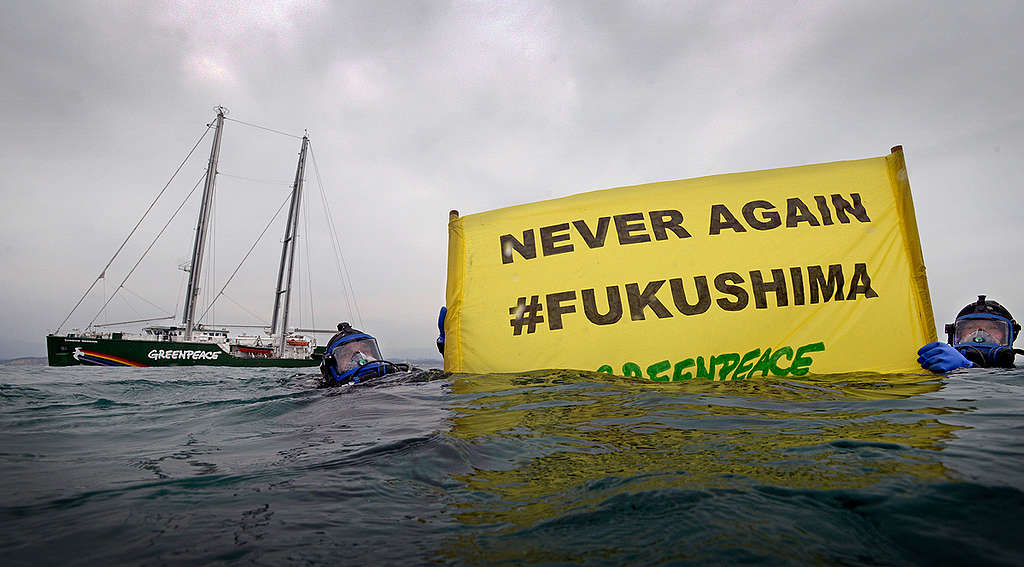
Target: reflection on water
{"x": 565, "y": 445}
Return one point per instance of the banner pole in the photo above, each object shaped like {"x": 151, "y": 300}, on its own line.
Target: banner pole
{"x": 905, "y": 203}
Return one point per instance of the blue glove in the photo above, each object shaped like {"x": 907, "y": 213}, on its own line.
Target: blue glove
{"x": 440, "y": 327}
{"x": 940, "y": 357}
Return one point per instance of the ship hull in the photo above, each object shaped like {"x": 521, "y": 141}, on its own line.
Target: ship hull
{"x": 71, "y": 351}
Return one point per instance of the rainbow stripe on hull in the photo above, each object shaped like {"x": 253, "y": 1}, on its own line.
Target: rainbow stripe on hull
{"x": 100, "y": 359}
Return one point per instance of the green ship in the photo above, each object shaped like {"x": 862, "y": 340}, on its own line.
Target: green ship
{"x": 116, "y": 350}
{"x": 191, "y": 343}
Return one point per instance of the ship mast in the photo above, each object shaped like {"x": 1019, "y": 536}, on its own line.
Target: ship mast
{"x": 195, "y": 268}
{"x": 284, "y": 283}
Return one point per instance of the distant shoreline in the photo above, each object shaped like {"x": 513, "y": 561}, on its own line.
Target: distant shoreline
{"x": 24, "y": 361}
{"x": 41, "y": 361}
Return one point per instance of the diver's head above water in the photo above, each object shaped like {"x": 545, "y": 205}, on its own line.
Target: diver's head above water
{"x": 351, "y": 356}
{"x": 981, "y": 335}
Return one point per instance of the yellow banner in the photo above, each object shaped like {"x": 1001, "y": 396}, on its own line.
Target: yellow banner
{"x": 772, "y": 273}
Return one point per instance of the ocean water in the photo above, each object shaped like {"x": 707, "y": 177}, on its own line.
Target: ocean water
{"x": 105, "y": 466}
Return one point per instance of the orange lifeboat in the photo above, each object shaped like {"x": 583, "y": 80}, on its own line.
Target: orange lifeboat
{"x": 256, "y": 351}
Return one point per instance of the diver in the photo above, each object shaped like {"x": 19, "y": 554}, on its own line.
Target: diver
{"x": 353, "y": 356}
{"x": 982, "y": 335}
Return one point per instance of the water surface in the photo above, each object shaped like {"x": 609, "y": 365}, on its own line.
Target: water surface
{"x": 258, "y": 466}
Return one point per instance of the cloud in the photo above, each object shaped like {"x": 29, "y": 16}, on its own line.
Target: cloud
{"x": 416, "y": 108}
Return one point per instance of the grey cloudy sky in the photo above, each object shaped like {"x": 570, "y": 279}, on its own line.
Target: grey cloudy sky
{"x": 415, "y": 108}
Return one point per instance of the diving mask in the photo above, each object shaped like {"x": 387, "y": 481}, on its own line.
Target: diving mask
{"x": 982, "y": 329}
